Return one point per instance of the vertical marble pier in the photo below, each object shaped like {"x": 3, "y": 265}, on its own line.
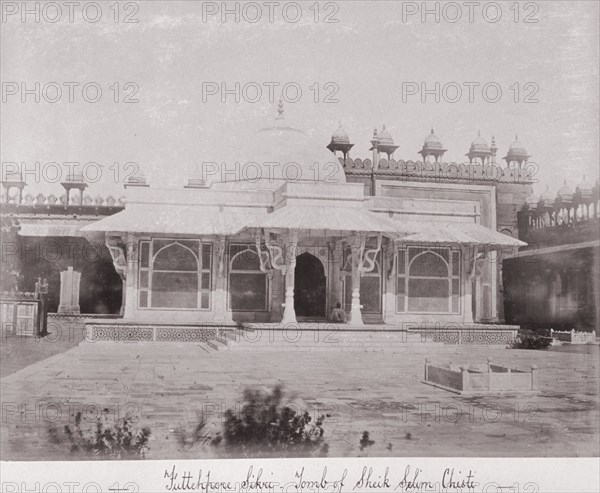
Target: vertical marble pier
{"x": 69, "y": 292}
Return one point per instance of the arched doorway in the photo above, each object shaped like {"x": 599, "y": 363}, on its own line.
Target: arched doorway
{"x": 309, "y": 287}
{"x": 101, "y": 288}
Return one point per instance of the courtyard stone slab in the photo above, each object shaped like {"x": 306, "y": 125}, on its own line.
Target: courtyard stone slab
{"x": 167, "y": 387}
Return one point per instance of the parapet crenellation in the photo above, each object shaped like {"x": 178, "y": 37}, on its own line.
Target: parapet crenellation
{"x": 441, "y": 171}
{"x": 41, "y": 201}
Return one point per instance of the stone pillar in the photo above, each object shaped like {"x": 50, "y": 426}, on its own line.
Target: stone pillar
{"x": 117, "y": 253}
{"x": 390, "y": 280}
{"x": 464, "y": 371}
{"x": 221, "y": 311}
{"x": 123, "y": 297}
{"x": 355, "y": 307}
{"x": 335, "y": 270}
{"x": 69, "y": 292}
{"x": 478, "y": 299}
{"x": 289, "y": 313}
{"x": 467, "y": 254}
{"x": 468, "y": 300}
{"x": 131, "y": 277}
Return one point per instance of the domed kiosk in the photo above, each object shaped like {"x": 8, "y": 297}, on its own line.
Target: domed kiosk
{"x": 432, "y": 147}
{"x": 516, "y": 153}
{"x": 479, "y": 150}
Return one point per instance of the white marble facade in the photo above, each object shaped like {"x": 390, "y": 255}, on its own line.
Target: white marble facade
{"x": 279, "y": 249}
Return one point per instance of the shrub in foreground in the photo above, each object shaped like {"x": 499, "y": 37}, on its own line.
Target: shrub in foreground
{"x": 531, "y": 342}
{"x": 117, "y": 442}
{"x": 265, "y": 427}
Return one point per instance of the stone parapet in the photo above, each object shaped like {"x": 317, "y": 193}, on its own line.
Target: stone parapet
{"x": 427, "y": 171}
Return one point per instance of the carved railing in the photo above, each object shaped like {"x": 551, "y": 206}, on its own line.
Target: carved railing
{"x": 560, "y": 214}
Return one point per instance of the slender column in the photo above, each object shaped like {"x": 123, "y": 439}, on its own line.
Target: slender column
{"x": 356, "y": 245}
{"x": 123, "y": 298}
{"x": 289, "y": 313}
{"x": 478, "y": 298}
{"x": 389, "y": 275}
{"x": 336, "y": 295}
{"x": 469, "y": 270}
{"x": 132, "y": 258}
{"x": 221, "y": 313}
{"x": 118, "y": 256}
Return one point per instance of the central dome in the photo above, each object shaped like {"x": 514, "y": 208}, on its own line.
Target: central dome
{"x": 277, "y": 153}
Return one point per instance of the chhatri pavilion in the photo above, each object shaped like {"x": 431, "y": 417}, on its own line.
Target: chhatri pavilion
{"x": 291, "y": 230}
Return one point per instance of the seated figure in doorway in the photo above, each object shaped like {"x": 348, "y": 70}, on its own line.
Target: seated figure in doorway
{"x": 338, "y": 315}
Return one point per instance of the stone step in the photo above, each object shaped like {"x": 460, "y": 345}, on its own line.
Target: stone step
{"x": 411, "y": 349}
{"x": 311, "y": 338}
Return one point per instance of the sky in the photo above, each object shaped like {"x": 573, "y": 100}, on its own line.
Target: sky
{"x": 363, "y": 64}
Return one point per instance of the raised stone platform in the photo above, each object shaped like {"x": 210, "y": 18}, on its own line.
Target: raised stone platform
{"x": 120, "y": 331}
{"x": 467, "y": 333}
{"x": 315, "y": 336}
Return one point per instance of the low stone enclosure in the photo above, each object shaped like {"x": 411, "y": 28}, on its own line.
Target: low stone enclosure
{"x": 573, "y": 337}
{"x": 467, "y": 380}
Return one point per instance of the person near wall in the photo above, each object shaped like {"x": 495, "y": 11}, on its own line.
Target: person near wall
{"x": 338, "y": 315}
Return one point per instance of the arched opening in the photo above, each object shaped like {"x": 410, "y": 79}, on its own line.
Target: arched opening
{"x": 310, "y": 289}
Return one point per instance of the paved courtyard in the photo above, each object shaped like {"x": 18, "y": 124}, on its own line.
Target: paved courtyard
{"x": 166, "y": 386}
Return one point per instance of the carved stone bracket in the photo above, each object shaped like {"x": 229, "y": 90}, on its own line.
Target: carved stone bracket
{"x": 476, "y": 260}
{"x": 394, "y": 262}
{"x": 365, "y": 257}
{"x": 280, "y": 258}
{"x": 118, "y": 253}
{"x": 368, "y": 256}
{"x": 262, "y": 254}
{"x": 221, "y": 246}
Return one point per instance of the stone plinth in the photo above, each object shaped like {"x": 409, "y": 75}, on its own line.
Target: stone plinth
{"x": 69, "y": 292}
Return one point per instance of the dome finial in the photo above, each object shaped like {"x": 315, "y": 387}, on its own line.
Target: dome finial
{"x": 516, "y": 136}
{"x": 432, "y": 130}
{"x": 280, "y": 109}
{"x": 478, "y": 133}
